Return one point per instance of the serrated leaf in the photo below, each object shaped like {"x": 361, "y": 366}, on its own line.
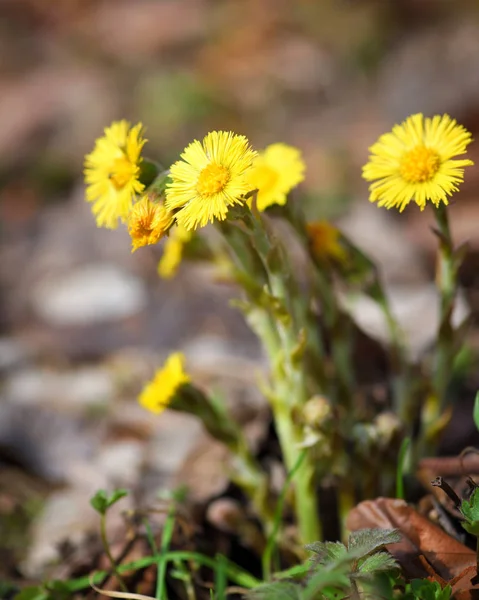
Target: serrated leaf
{"x": 375, "y": 563}
{"x": 279, "y": 590}
{"x": 366, "y": 541}
{"x": 332, "y": 580}
{"x": 327, "y": 552}
{"x": 424, "y": 589}
{"x": 470, "y": 508}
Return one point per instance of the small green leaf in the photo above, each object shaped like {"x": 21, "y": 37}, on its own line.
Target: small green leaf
{"x": 327, "y": 552}
{"x": 375, "y": 563}
{"x": 279, "y": 590}
{"x": 423, "y": 589}
{"x": 115, "y": 496}
{"x": 470, "y": 509}
{"x": 100, "y": 502}
{"x": 366, "y": 541}
{"x": 32, "y": 593}
{"x": 475, "y": 412}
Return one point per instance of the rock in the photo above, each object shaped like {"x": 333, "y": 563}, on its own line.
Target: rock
{"x": 82, "y": 388}
{"x": 385, "y": 241}
{"x": 45, "y": 443}
{"x": 91, "y": 294}
{"x": 416, "y": 308}
{"x": 13, "y": 354}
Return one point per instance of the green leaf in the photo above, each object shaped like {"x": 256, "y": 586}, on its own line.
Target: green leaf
{"x": 115, "y": 496}
{"x": 279, "y": 590}
{"x": 330, "y": 581}
{"x": 366, "y": 541}
{"x": 375, "y": 563}
{"x": 32, "y": 593}
{"x": 475, "y": 412}
{"x": 423, "y": 589}
{"x": 470, "y": 508}
{"x": 101, "y": 502}
{"x": 327, "y": 552}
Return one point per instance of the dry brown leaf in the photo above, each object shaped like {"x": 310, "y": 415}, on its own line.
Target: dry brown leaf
{"x": 423, "y": 544}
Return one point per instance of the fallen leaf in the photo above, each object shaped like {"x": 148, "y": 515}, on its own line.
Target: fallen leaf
{"x": 425, "y": 549}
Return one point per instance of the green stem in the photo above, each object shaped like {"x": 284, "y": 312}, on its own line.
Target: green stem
{"x": 106, "y": 547}
{"x": 290, "y": 379}
{"x": 279, "y": 321}
{"x": 445, "y": 347}
{"x": 447, "y": 276}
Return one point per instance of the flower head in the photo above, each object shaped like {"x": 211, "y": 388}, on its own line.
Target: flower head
{"x": 160, "y": 391}
{"x": 325, "y": 240}
{"x": 112, "y": 173}
{"x": 209, "y": 179}
{"x": 173, "y": 252}
{"x": 147, "y": 222}
{"x": 276, "y": 171}
{"x": 415, "y": 162}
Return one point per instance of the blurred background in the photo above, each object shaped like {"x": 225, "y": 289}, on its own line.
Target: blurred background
{"x": 83, "y": 322}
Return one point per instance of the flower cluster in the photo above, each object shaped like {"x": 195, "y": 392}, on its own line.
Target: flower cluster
{"x": 211, "y": 177}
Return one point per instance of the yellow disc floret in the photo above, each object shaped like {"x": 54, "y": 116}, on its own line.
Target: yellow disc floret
{"x": 419, "y": 164}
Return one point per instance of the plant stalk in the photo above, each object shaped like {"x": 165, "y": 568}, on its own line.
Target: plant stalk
{"x": 106, "y": 547}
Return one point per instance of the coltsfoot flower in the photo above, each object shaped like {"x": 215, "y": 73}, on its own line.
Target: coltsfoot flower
{"x": 209, "y": 179}
{"x": 160, "y": 391}
{"x": 276, "y": 171}
{"x": 416, "y": 162}
{"x": 112, "y": 173}
{"x": 173, "y": 252}
{"x": 147, "y": 222}
{"x": 325, "y": 240}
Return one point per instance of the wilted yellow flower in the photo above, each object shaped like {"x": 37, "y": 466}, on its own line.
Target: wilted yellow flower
{"x": 325, "y": 241}
{"x": 112, "y": 173}
{"x": 209, "y": 179}
{"x": 276, "y": 171}
{"x": 415, "y": 162}
{"x": 173, "y": 252}
{"x": 147, "y": 222}
{"x": 159, "y": 392}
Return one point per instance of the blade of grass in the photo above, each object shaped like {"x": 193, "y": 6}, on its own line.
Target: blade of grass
{"x": 400, "y": 467}
{"x": 164, "y": 547}
{"x": 234, "y": 573}
{"x": 221, "y": 578}
{"x": 278, "y": 515}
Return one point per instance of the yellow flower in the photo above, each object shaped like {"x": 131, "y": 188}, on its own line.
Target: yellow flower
{"x": 276, "y": 171}
{"x": 147, "y": 222}
{"x": 325, "y": 241}
{"x": 415, "y": 162}
{"x": 173, "y": 252}
{"x": 112, "y": 173}
{"x": 209, "y": 179}
{"x": 160, "y": 391}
